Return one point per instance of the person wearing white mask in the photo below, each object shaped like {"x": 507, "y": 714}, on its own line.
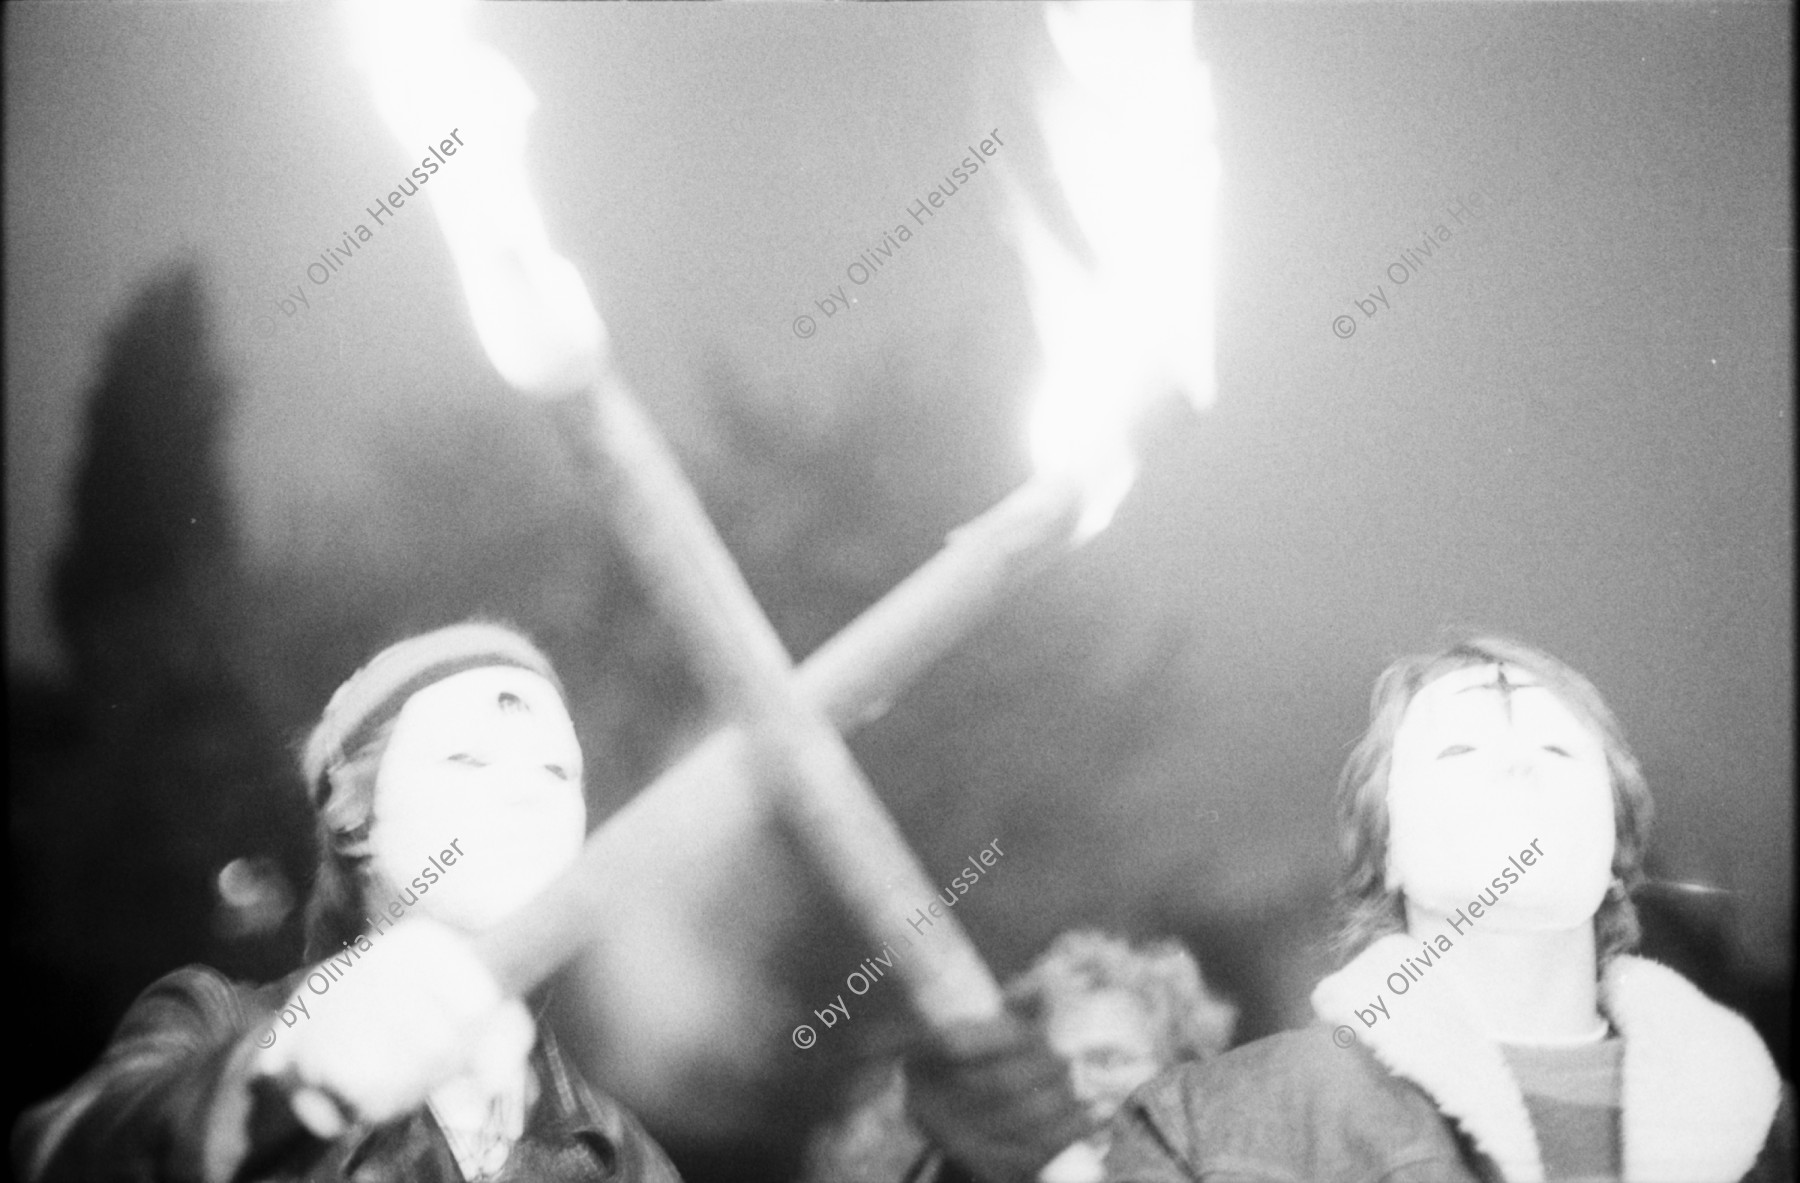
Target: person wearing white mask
{"x": 1493, "y": 1023}
{"x": 446, "y": 779}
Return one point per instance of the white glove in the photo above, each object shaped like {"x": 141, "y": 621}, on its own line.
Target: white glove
{"x": 1082, "y": 1162}
{"x": 416, "y": 1010}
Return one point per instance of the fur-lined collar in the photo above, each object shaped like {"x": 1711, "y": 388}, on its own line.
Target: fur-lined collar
{"x": 1698, "y": 1088}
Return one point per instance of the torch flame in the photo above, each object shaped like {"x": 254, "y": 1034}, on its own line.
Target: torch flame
{"x": 532, "y": 311}
{"x": 1130, "y": 141}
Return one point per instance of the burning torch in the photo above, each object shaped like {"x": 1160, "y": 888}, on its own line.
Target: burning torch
{"x": 1129, "y": 137}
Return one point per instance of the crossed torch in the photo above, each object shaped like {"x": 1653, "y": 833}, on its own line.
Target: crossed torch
{"x": 1128, "y": 133}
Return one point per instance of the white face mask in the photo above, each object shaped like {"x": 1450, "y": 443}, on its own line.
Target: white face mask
{"x": 485, "y": 763}
{"x": 1480, "y": 771}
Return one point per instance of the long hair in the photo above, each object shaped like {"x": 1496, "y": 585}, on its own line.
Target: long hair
{"x": 345, "y": 815}
{"x": 1370, "y": 909}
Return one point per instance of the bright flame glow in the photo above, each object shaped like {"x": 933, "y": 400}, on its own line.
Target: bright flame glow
{"x": 532, "y": 311}
{"x": 1130, "y": 141}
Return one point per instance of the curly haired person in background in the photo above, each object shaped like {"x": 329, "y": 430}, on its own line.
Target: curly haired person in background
{"x": 1115, "y": 1013}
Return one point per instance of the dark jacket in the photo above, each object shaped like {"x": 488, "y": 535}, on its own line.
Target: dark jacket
{"x": 173, "y": 1099}
{"x": 1424, "y": 1097}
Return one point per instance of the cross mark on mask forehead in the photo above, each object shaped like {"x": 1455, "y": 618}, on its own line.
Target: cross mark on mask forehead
{"x": 1506, "y": 688}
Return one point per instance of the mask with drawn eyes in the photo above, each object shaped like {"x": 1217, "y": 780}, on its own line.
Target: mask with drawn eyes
{"x": 484, "y": 764}
{"x": 1487, "y": 761}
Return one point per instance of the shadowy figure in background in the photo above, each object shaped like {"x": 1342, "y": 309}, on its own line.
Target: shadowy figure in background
{"x": 1115, "y": 1013}
{"x": 1493, "y": 1023}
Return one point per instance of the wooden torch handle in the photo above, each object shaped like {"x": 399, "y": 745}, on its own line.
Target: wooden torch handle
{"x": 787, "y": 731}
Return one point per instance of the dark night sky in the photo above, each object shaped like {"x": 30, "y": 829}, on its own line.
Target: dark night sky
{"x": 1573, "y": 425}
